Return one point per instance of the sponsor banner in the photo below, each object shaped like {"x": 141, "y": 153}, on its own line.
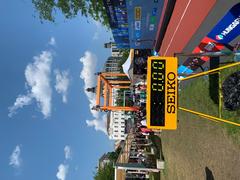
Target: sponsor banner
{"x": 143, "y": 22}
{"x": 184, "y": 70}
{"x": 151, "y": 27}
{"x": 226, "y": 30}
{"x": 137, "y": 25}
{"x": 154, "y": 12}
{"x": 208, "y": 45}
{"x": 138, "y": 13}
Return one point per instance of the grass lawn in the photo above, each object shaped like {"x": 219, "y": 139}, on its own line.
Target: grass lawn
{"x": 195, "y": 96}
{"x": 154, "y": 176}
{"x": 158, "y": 154}
{"x": 199, "y": 144}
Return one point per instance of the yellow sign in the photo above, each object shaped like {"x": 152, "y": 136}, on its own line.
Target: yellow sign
{"x": 162, "y": 93}
{"x": 138, "y": 13}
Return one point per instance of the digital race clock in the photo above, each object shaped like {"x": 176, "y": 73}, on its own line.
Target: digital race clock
{"x": 162, "y": 93}
{"x": 157, "y": 93}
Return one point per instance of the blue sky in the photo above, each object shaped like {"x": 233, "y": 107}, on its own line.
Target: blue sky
{"x": 46, "y": 128}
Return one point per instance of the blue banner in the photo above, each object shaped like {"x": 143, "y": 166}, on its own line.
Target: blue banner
{"x": 228, "y": 28}
{"x": 143, "y": 20}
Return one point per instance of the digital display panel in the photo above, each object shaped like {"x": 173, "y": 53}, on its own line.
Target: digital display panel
{"x": 162, "y": 92}
{"x": 158, "y": 93}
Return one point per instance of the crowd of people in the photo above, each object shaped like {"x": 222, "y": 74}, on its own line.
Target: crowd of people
{"x": 140, "y": 150}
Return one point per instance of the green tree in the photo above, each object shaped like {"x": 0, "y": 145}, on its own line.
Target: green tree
{"x": 114, "y": 155}
{"x": 70, "y": 8}
{"x": 125, "y": 53}
{"x": 106, "y": 173}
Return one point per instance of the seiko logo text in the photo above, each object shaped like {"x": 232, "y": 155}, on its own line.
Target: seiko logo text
{"x": 171, "y": 93}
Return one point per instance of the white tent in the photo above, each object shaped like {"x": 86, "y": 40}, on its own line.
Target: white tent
{"x": 127, "y": 65}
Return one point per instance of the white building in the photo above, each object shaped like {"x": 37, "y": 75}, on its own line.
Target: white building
{"x": 114, "y": 50}
{"x": 117, "y": 122}
{"x": 117, "y": 125}
{"x": 112, "y": 65}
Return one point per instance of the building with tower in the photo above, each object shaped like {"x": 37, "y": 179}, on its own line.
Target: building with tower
{"x": 115, "y": 52}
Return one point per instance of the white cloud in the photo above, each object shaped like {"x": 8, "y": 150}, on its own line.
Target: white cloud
{"x": 89, "y": 61}
{"x": 63, "y": 167}
{"x": 67, "y": 152}
{"x": 22, "y": 100}
{"x": 62, "y": 83}
{"x": 99, "y": 124}
{"x": 52, "y": 41}
{"x": 37, "y": 76}
{"x": 15, "y": 160}
{"x": 62, "y": 171}
{"x": 38, "y": 79}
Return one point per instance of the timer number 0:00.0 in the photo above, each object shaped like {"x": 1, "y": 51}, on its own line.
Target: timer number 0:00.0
{"x": 157, "y": 65}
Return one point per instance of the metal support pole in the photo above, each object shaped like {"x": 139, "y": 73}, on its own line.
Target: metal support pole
{"x": 114, "y": 74}
{"x": 98, "y": 90}
{"x": 210, "y": 71}
{"x": 208, "y": 116}
{"x": 119, "y": 82}
{"x": 121, "y": 87}
{"x": 124, "y": 96}
{"x": 105, "y": 94}
{"x": 110, "y": 96}
{"x": 219, "y": 95}
{"x": 119, "y": 108}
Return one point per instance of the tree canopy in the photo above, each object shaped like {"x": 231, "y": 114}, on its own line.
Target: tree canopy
{"x": 107, "y": 172}
{"x": 71, "y": 8}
